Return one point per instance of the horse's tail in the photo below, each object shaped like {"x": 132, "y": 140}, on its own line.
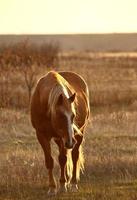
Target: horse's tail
{"x": 80, "y": 164}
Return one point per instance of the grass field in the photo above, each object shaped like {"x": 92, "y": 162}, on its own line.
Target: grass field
{"x": 110, "y": 145}
{"x": 110, "y": 149}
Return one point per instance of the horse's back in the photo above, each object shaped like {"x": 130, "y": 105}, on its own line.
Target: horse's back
{"x": 77, "y": 82}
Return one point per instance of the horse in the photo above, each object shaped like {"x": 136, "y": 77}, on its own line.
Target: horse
{"x": 60, "y": 111}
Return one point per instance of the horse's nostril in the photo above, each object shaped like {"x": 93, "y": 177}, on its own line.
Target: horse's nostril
{"x": 68, "y": 145}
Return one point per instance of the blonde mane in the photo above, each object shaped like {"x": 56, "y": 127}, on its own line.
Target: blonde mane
{"x": 61, "y": 87}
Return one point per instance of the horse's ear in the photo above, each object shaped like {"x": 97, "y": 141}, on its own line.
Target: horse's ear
{"x": 72, "y": 98}
{"x": 60, "y": 100}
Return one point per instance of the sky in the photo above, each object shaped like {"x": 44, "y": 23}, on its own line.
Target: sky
{"x": 67, "y": 16}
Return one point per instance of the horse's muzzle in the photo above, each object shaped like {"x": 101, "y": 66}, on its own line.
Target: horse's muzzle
{"x": 69, "y": 145}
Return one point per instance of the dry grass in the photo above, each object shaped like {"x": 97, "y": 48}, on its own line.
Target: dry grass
{"x": 111, "y": 79}
{"x": 110, "y": 149}
{"x": 110, "y": 145}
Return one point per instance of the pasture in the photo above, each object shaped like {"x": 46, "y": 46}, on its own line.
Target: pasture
{"x": 110, "y": 146}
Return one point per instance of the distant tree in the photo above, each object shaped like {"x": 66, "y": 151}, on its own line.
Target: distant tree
{"x": 25, "y": 53}
{"x": 30, "y": 79}
{"x": 28, "y": 59}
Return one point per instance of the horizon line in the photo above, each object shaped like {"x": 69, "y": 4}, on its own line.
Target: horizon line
{"x": 92, "y": 33}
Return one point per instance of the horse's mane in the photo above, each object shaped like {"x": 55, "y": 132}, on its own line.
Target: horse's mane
{"x": 61, "y": 87}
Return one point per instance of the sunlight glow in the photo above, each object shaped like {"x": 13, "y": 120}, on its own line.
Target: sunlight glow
{"x": 67, "y": 16}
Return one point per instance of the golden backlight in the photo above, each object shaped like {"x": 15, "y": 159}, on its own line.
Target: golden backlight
{"x": 67, "y": 16}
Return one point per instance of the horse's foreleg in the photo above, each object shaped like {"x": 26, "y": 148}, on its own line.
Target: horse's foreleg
{"x": 75, "y": 158}
{"x": 48, "y": 162}
{"x": 62, "y": 161}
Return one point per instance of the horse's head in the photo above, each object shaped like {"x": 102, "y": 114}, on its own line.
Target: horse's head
{"x": 63, "y": 120}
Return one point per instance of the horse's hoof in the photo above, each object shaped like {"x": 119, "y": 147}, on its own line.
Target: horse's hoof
{"x": 62, "y": 189}
{"x": 52, "y": 192}
{"x": 74, "y": 188}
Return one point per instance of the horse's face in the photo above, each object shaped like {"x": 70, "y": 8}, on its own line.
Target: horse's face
{"x": 64, "y": 120}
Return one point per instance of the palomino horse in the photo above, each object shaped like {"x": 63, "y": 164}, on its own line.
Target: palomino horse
{"x": 59, "y": 110}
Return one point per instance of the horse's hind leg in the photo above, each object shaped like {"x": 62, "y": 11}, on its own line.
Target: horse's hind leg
{"x": 62, "y": 161}
{"x": 75, "y": 158}
{"x": 48, "y": 162}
